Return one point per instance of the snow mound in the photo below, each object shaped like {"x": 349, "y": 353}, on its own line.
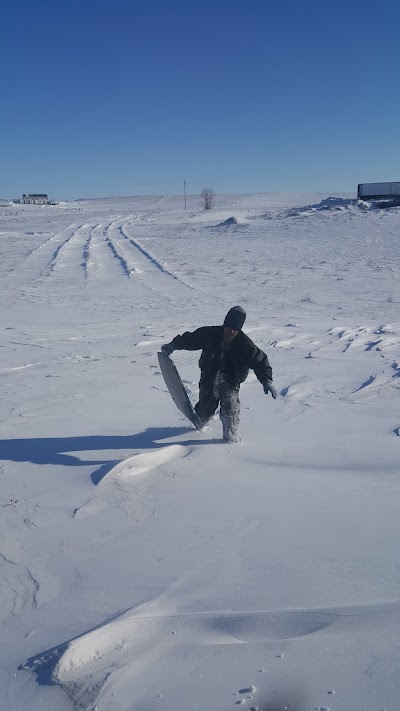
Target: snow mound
{"x": 331, "y": 204}
{"x": 233, "y": 221}
{"x": 379, "y": 204}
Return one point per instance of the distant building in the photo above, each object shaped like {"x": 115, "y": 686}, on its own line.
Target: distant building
{"x": 4, "y": 202}
{"x": 35, "y": 199}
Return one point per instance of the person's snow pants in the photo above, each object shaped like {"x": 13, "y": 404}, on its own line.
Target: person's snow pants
{"x": 227, "y": 397}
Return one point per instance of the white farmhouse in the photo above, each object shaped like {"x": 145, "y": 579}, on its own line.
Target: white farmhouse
{"x": 35, "y": 199}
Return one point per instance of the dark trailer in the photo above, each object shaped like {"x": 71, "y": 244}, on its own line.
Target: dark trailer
{"x": 368, "y": 191}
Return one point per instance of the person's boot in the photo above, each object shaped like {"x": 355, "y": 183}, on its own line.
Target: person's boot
{"x": 229, "y": 433}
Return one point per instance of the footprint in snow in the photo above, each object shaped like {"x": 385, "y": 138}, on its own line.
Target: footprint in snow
{"x": 248, "y": 690}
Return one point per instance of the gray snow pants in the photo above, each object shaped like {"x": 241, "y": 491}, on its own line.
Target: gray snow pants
{"x": 227, "y": 397}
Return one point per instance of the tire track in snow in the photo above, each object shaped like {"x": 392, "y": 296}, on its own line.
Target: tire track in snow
{"x": 80, "y": 252}
{"x": 45, "y": 244}
{"x": 123, "y": 247}
{"x": 86, "y": 255}
{"x": 70, "y": 253}
{"x": 91, "y": 266}
{"x": 150, "y": 258}
{"x": 36, "y": 262}
{"x": 102, "y": 259}
{"x": 116, "y": 252}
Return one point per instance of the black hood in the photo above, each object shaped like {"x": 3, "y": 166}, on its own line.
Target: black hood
{"x": 235, "y": 318}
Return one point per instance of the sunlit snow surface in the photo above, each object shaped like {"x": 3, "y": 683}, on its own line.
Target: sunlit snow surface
{"x": 149, "y": 567}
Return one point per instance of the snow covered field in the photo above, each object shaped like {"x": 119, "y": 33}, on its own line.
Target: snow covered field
{"x": 149, "y": 567}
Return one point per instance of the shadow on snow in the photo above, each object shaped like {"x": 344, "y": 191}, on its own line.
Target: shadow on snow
{"x": 56, "y": 450}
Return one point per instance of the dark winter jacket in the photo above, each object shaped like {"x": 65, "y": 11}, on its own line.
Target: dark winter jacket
{"x": 235, "y": 359}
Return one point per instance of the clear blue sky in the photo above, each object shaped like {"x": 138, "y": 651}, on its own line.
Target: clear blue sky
{"x": 118, "y": 97}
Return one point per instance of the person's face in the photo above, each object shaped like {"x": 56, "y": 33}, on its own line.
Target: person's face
{"x": 229, "y": 334}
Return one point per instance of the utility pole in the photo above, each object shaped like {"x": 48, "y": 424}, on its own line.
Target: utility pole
{"x": 184, "y": 192}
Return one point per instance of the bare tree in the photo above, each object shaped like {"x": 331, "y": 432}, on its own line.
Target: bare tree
{"x": 207, "y": 197}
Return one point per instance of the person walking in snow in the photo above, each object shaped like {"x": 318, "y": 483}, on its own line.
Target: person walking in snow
{"x": 227, "y": 355}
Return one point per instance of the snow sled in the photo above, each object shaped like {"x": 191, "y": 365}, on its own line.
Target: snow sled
{"x": 177, "y": 389}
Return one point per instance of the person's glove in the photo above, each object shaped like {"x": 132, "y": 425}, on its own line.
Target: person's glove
{"x": 168, "y": 348}
{"x": 269, "y": 388}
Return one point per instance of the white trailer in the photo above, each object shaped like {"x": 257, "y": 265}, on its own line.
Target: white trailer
{"x": 378, "y": 190}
